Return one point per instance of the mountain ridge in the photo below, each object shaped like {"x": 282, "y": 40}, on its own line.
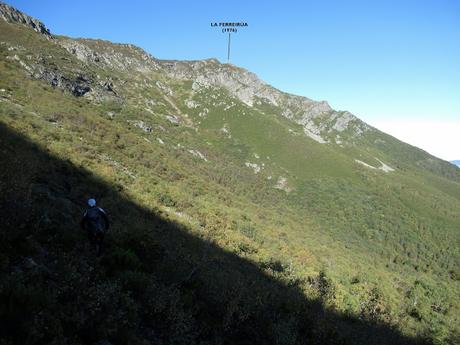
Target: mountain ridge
{"x": 299, "y": 109}
{"x": 12, "y": 15}
{"x": 313, "y": 197}
{"x": 244, "y": 85}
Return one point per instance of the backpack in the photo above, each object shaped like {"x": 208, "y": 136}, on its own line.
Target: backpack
{"x": 95, "y": 220}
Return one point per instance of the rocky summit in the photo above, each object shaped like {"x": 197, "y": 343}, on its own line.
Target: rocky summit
{"x": 240, "y": 214}
{"x": 12, "y": 15}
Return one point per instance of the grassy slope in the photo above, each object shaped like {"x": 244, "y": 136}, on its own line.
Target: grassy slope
{"x": 367, "y": 229}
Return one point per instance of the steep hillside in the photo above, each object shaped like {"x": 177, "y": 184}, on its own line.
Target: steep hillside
{"x": 241, "y": 214}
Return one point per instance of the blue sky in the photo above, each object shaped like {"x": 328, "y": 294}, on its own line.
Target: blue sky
{"x": 394, "y": 64}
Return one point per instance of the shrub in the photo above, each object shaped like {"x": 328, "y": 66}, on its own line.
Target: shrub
{"x": 274, "y": 265}
{"x": 323, "y": 285}
{"x": 373, "y": 307}
{"x": 121, "y": 259}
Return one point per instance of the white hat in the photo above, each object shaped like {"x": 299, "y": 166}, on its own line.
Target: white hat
{"x": 91, "y": 202}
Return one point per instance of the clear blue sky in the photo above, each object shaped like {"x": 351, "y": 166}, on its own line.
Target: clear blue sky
{"x": 381, "y": 60}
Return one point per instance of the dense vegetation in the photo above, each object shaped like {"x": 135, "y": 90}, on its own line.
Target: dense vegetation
{"x": 202, "y": 249}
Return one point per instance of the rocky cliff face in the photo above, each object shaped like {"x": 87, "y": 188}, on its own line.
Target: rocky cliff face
{"x": 242, "y": 84}
{"x": 12, "y": 15}
{"x": 120, "y": 57}
{"x": 319, "y": 121}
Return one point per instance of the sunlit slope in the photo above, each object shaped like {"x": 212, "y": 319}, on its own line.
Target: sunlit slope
{"x": 266, "y": 175}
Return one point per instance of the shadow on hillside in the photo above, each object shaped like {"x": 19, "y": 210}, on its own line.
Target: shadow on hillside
{"x": 154, "y": 284}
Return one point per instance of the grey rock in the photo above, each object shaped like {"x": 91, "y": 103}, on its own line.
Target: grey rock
{"x": 142, "y": 125}
{"x": 241, "y": 84}
{"x": 12, "y": 15}
{"x": 121, "y": 57}
{"x": 173, "y": 119}
{"x": 317, "y": 118}
{"x": 78, "y": 86}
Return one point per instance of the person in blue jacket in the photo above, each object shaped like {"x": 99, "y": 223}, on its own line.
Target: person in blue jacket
{"x": 96, "y": 223}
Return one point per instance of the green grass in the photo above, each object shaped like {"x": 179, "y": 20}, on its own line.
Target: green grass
{"x": 386, "y": 242}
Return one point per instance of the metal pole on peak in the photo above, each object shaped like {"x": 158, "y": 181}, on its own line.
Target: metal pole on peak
{"x": 228, "y": 50}
{"x": 228, "y": 27}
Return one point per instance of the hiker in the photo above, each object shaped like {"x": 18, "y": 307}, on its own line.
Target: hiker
{"x": 96, "y": 223}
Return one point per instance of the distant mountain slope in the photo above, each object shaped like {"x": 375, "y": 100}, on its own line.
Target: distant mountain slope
{"x": 457, "y": 162}
{"x": 313, "y": 198}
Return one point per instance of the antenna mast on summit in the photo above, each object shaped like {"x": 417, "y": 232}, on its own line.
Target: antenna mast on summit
{"x": 229, "y": 27}
{"x": 228, "y": 49}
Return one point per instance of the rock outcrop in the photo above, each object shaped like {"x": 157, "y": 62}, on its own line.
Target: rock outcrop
{"x": 12, "y": 15}
{"x": 120, "y": 57}
{"x": 318, "y": 120}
